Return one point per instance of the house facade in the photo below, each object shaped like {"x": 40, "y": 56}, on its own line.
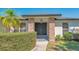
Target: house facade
{"x": 48, "y": 25}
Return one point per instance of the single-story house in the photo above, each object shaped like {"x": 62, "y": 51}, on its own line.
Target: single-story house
{"x": 48, "y": 25}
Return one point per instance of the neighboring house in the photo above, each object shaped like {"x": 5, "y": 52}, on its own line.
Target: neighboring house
{"x": 48, "y": 25}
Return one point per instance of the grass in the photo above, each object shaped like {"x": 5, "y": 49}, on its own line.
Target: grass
{"x": 63, "y": 46}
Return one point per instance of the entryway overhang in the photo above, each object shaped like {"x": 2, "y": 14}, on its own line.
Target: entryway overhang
{"x": 42, "y": 25}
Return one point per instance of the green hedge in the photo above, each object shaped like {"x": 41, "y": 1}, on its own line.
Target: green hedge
{"x": 22, "y": 41}
{"x": 67, "y": 36}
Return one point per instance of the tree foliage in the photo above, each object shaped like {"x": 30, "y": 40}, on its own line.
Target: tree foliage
{"x": 10, "y": 19}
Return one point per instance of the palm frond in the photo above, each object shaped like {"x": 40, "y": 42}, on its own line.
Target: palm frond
{"x": 10, "y": 20}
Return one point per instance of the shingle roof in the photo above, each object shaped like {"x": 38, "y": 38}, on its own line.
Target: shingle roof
{"x": 43, "y": 15}
{"x": 64, "y": 18}
{"x": 59, "y": 16}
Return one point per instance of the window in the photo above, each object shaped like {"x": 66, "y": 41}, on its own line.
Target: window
{"x": 23, "y": 27}
{"x": 65, "y": 27}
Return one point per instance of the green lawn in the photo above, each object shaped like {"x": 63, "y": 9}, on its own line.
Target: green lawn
{"x": 63, "y": 46}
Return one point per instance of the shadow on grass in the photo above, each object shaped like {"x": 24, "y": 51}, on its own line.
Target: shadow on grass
{"x": 65, "y": 46}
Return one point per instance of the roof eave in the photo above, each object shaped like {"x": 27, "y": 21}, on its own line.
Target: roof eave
{"x": 43, "y": 15}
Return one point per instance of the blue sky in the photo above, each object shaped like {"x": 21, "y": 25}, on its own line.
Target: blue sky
{"x": 66, "y": 12}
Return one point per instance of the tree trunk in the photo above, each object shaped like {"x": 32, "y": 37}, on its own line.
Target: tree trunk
{"x": 11, "y": 29}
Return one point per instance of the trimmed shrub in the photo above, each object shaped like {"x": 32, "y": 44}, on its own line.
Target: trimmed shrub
{"x": 58, "y": 37}
{"x": 22, "y": 41}
{"x": 68, "y": 36}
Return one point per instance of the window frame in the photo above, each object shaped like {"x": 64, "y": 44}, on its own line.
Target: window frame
{"x": 65, "y": 28}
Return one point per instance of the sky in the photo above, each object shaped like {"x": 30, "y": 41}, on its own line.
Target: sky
{"x": 66, "y": 12}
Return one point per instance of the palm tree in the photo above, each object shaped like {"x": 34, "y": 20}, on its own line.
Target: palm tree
{"x": 10, "y": 20}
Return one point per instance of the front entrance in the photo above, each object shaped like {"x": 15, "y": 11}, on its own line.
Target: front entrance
{"x": 41, "y": 28}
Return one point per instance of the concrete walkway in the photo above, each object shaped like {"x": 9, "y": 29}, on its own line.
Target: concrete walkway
{"x": 40, "y": 46}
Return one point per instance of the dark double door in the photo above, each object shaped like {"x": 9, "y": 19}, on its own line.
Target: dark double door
{"x": 41, "y": 28}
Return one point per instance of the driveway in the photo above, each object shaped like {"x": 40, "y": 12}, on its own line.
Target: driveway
{"x": 40, "y": 46}
{"x": 41, "y": 43}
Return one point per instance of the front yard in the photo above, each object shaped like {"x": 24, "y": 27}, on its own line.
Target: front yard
{"x": 63, "y": 46}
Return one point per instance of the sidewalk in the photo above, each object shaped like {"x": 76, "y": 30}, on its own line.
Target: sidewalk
{"x": 40, "y": 46}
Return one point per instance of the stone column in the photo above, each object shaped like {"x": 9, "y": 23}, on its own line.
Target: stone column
{"x": 31, "y": 25}
{"x": 51, "y": 29}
